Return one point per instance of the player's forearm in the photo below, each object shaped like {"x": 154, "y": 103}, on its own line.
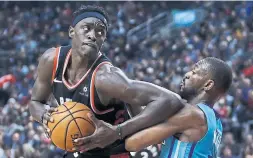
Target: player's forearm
{"x": 142, "y": 139}
{"x": 152, "y": 135}
{"x": 139, "y": 141}
{"x": 36, "y": 109}
{"x": 155, "y": 112}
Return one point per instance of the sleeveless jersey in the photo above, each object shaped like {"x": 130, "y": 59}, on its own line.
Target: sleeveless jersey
{"x": 207, "y": 147}
{"x": 84, "y": 91}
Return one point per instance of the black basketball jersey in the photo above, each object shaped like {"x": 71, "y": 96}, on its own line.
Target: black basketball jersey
{"x": 84, "y": 91}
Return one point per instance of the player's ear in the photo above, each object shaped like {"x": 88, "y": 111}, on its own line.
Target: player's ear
{"x": 209, "y": 85}
{"x": 71, "y": 31}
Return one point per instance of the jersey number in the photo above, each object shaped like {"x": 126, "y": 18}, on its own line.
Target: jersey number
{"x": 144, "y": 154}
{"x": 62, "y": 100}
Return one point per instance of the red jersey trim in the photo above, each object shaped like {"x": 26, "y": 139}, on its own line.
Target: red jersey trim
{"x": 92, "y": 91}
{"x": 69, "y": 86}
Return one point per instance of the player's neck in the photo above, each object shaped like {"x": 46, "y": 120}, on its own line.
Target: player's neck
{"x": 78, "y": 61}
{"x": 203, "y": 98}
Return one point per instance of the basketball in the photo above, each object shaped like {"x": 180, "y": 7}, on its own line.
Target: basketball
{"x": 70, "y": 122}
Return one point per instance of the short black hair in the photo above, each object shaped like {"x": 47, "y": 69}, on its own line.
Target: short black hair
{"x": 94, "y": 8}
{"x": 220, "y": 72}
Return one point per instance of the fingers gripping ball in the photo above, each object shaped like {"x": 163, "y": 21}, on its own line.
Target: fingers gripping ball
{"x": 70, "y": 122}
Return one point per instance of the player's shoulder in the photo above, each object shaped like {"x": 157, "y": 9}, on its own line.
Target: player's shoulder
{"x": 48, "y": 55}
{"x": 195, "y": 114}
{"x": 105, "y": 67}
{"x": 110, "y": 75}
{"x": 108, "y": 69}
{"x": 46, "y": 62}
{"x": 198, "y": 115}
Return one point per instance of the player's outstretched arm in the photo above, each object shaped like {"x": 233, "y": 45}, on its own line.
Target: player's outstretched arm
{"x": 187, "y": 118}
{"x": 113, "y": 83}
{"x": 42, "y": 86}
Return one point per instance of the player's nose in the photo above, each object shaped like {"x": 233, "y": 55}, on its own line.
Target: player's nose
{"x": 91, "y": 36}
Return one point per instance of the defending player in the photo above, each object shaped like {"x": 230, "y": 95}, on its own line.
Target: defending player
{"x": 196, "y": 130}
{"x": 82, "y": 73}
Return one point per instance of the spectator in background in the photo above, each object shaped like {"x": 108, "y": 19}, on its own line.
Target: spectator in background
{"x": 229, "y": 147}
{"x": 2, "y": 152}
{"x": 248, "y": 152}
{"x": 27, "y": 28}
{"x": 227, "y": 152}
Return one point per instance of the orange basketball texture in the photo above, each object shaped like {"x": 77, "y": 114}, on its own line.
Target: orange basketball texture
{"x": 70, "y": 122}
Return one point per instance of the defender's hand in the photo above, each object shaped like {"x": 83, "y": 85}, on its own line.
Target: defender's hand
{"x": 47, "y": 118}
{"x": 105, "y": 134}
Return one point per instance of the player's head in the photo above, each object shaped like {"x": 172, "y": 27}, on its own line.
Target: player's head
{"x": 210, "y": 75}
{"x": 88, "y": 29}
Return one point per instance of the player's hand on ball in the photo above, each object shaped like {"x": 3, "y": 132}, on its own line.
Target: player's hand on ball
{"x": 105, "y": 134}
{"x": 47, "y": 118}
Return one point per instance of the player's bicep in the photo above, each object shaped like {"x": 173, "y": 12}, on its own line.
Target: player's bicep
{"x": 42, "y": 86}
{"x": 113, "y": 83}
{"x": 41, "y": 91}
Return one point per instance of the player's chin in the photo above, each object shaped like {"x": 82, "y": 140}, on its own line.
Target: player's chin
{"x": 183, "y": 93}
{"x": 188, "y": 93}
{"x": 88, "y": 52}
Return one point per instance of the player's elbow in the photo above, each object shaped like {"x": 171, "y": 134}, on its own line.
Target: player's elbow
{"x": 179, "y": 105}
{"x": 176, "y": 102}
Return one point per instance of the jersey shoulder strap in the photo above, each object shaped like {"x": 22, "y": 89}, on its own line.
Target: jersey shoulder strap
{"x": 59, "y": 59}
{"x": 55, "y": 64}
{"x": 211, "y": 123}
{"x": 94, "y": 99}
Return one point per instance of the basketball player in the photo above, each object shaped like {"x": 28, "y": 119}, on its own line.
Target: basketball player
{"x": 196, "y": 130}
{"x": 83, "y": 74}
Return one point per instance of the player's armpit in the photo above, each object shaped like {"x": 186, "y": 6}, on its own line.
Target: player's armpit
{"x": 185, "y": 119}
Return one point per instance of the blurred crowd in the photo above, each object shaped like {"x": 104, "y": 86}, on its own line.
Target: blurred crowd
{"x": 28, "y": 29}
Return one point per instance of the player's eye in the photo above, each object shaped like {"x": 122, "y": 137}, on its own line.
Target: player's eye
{"x": 85, "y": 28}
{"x": 100, "y": 33}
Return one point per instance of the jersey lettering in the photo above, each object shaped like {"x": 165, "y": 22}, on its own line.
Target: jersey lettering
{"x": 76, "y": 154}
{"x": 153, "y": 149}
{"x": 216, "y": 141}
{"x": 163, "y": 143}
{"x": 62, "y": 100}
